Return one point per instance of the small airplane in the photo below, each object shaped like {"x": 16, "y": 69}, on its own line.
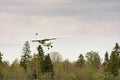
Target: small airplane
{"x": 47, "y": 42}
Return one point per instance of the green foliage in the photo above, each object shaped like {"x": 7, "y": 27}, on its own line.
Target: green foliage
{"x": 51, "y": 67}
{"x": 93, "y": 59}
{"x": 1, "y": 70}
{"x": 93, "y": 75}
{"x": 48, "y": 66}
{"x": 41, "y": 58}
{"x": 41, "y": 65}
{"x": 114, "y": 64}
{"x": 106, "y": 64}
{"x": 1, "y": 66}
{"x": 106, "y": 58}
{"x": 34, "y": 68}
{"x": 15, "y": 72}
{"x": 40, "y": 52}
{"x": 117, "y": 48}
{"x": 115, "y": 60}
{"x": 1, "y": 57}
{"x": 25, "y": 58}
{"x": 80, "y": 62}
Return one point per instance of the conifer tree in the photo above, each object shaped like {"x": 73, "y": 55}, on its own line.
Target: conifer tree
{"x": 115, "y": 60}
{"x": 40, "y": 52}
{"x": 48, "y": 66}
{"x": 114, "y": 63}
{"x": 1, "y": 66}
{"x": 117, "y": 48}
{"x": 41, "y": 57}
{"x": 1, "y": 57}
{"x": 80, "y": 62}
{"x": 25, "y": 58}
{"x": 106, "y": 63}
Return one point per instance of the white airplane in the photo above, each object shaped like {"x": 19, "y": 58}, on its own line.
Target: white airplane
{"x": 47, "y": 42}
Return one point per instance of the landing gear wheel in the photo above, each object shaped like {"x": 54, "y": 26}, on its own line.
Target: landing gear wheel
{"x": 48, "y": 48}
{"x": 51, "y": 46}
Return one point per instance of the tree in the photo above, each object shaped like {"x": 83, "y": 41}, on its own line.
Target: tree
{"x": 55, "y": 57}
{"x": 114, "y": 64}
{"x": 34, "y": 67}
{"x": 41, "y": 57}
{"x": 48, "y": 66}
{"x": 115, "y": 60}
{"x": 4, "y": 68}
{"x": 15, "y": 72}
{"x": 116, "y": 48}
{"x": 93, "y": 59}
{"x": 1, "y": 66}
{"x": 106, "y": 63}
{"x": 1, "y": 57}
{"x": 80, "y": 62}
{"x": 40, "y": 52}
{"x": 25, "y": 58}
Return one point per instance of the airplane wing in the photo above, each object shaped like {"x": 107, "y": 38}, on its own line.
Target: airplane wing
{"x": 35, "y": 40}
{"x": 38, "y": 40}
{"x": 47, "y": 39}
{"x": 55, "y": 38}
{"x": 32, "y": 40}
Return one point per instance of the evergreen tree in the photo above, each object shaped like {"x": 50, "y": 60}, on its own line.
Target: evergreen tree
{"x": 41, "y": 57}
{"x": 115, "y": 60}
{"x": 80, "y": 62}
{"x": 116, "y": 48}
{"x": 1, "y": 57}
{"x": 40, "y": 52}
{"x": 35, "y": 66}
{"x": 114, "y": 64}
{"x": 48, "y": 66}
{"x": 1, "y": 66}
{"x": 25, "y": 58}
{"x": 106, "y": 63}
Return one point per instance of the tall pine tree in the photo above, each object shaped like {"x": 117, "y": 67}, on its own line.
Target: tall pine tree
{"x": 80, "y": 62}
{"x": 25, "y": 58}
{"x": 41, "y": 57}
{"x": 106, "y": 64}
{"x": 115, "y": 60}
{"x": 40, "y": 52}
{"x": 48, "y": 66}
{"x": 117, "y": 48}
{"x": 1, "y": 57}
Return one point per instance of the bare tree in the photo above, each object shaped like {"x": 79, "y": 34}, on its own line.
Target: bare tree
{"x": 55, "y": 57}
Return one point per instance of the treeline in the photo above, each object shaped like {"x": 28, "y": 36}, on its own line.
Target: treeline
{"x": 51, "y": 66}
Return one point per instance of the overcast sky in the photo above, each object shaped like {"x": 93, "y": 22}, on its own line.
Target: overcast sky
{"x": 92, "y": 24}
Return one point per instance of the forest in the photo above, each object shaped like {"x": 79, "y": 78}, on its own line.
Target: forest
{"x": 51, "y": 66}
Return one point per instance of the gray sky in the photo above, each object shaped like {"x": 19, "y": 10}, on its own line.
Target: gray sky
{"x": 92, "y": 24}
